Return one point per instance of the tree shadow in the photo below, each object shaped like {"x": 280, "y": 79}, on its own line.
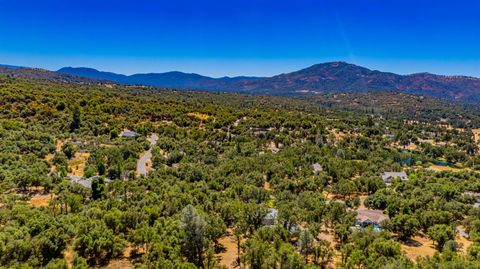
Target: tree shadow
{"x": 412, "y": 243}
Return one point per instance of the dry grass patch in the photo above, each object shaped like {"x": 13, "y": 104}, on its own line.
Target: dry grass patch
{"x": 228, "y": 257}
{"x": 439, "y": 168}
{"x": 464, "y": 243}
{"x": 432, "y": 142}
{"x": 40, "y": 200}
{"x": 410, "y": 146}
{"x": 120, "y": 264}
{"x": 338, "y": 134}
{"x": 267, "y": 186}
{"x": 49, "y": 157}
{"x": 76, "y": 165}
{"x": 58, "y": 145}
{"x": 107, "y": 146}
{"x": 362, "y": 202}
{"x": 326, "y": 234}
{"x": 418, "y": 246}
{"x": 476, "y": 135}
{"x": 198, "y": 115}
{"x": 422, "y": 246}
{"x": 68, "y": 255}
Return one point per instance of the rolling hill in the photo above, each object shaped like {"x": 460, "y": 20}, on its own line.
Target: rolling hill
{"x": 42, "y": 74}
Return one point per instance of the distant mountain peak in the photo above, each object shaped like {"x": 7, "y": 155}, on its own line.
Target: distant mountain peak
{"x": 77, "y": 68}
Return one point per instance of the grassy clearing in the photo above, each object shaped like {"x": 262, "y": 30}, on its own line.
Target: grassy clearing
{"x": 76, "y": 165}
{"x": 198, "y": 115}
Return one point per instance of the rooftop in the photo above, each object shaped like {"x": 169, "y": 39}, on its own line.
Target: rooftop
{"x": 367, "y": 215}
{"x": 85, "y": 182}
{"x": 388, "y": 176}
{"x": 129, "y": 134}
{"x": 316, "y": 167}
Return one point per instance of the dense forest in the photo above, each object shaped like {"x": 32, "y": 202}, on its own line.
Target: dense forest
{"x": 234, "y": 181}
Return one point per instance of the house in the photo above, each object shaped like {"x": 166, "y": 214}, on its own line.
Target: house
{"x": 128, "y": 134}
{"x": 271, "y": 218}
{"x": 475, "y": 195}
{"x": 387, "y": 177}
{"x": 85, "y": 182}
{"x": 316, "y": 167}
{"x": 373, "y": 218}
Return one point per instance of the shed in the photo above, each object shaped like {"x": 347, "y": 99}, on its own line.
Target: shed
{"x": 316, "y": 167}
{"x": 271, "y": 217}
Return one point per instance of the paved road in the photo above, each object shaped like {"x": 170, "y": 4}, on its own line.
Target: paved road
{"x": 142, "y": 162}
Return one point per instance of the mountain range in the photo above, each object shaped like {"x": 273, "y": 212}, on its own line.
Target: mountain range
{"x": 320, "y": 78}
{"x": 332, "y": 77}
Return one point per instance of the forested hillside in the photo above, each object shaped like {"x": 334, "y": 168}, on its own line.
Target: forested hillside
{"x": 234, "y": 181}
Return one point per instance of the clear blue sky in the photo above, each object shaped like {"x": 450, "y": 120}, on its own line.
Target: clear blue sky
{"x": 250, "y": 37}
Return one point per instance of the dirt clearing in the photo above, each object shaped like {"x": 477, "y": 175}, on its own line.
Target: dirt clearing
{"x": 229, "y": 256}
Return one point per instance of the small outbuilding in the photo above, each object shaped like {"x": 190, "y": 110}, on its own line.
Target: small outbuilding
{"x": 316, "y": 167}
{"x": 128, "y": 134}
{"x": 271, "y": 218}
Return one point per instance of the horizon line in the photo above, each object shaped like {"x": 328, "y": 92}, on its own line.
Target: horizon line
{"x": 234, "y": 76}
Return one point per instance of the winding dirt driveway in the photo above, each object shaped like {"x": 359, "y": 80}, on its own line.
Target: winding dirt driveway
{"x": 147, "y": 155}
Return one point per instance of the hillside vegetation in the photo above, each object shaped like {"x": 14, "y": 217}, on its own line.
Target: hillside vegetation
{"x": 236, "y": 180}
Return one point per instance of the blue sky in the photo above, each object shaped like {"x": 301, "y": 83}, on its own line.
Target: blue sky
{"x": 247, "y": 37}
